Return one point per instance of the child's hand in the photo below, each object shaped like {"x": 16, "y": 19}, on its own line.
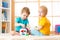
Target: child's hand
{"x": 36, "y": 28}
{"x": 28, "y": 26}
{"x": 23, "y": 25}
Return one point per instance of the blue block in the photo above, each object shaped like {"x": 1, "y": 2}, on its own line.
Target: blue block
{"x": 57, "y": 28}
{"x": 5, "y": 4}
{"x": 5, "y": 15}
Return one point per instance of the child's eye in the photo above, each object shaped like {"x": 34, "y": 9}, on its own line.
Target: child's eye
{"x": 24, "y": 15}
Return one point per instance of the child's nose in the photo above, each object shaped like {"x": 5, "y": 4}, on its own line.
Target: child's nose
{"x": 25, "y": 17}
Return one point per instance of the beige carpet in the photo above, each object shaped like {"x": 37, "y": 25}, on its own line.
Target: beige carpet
{"x": 10, "y": 37}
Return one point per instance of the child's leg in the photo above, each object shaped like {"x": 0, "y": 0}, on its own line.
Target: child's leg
{"x": 35, "y": 32}
{"x": 14, "y": 33}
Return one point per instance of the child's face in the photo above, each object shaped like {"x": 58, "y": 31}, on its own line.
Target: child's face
{"x": 42, "y": 12}
{"x": 24, "y": 15}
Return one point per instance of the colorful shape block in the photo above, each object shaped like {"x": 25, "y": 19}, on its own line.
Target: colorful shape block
{"x": 57, "y": 28}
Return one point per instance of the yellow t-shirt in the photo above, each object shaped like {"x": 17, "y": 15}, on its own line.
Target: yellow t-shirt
{"x": 45, "y": 23}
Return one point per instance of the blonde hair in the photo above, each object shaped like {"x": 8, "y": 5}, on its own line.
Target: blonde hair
{"x": 44, "y": 8}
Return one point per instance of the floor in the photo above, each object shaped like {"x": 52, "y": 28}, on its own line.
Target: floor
{"x": 10, "y": 37}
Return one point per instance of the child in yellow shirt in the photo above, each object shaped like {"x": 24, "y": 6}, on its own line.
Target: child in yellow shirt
{"x": 43, "y": 23}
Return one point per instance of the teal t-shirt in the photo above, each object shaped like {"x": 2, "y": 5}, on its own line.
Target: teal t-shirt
{"x": 20, "y": 20}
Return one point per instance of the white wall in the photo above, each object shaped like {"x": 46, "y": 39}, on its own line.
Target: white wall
{"x": 53, "y": 10}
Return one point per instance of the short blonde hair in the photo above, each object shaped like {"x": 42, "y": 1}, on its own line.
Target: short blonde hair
{"x": 44, "y": 8}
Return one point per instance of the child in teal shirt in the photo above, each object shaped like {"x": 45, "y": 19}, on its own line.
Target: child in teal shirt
{"x": 22, "y": 22}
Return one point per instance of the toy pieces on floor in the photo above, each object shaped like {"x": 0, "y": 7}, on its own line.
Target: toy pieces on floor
{"x": 57, "y": 29}
{"x": 23, "y": 31}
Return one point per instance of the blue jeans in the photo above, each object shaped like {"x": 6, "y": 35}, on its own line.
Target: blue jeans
{"x": 36, "y": 33}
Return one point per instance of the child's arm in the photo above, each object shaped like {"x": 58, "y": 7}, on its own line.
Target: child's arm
{"x": 19, "y": 24}
{"x": 28, "y": 26}
{"x": 18, "y": 19}
{"x": 28, "y": 29}
{"x": 38, "y": 27}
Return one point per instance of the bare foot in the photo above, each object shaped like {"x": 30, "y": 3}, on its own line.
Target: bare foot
{"x": 12, "y": 33}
